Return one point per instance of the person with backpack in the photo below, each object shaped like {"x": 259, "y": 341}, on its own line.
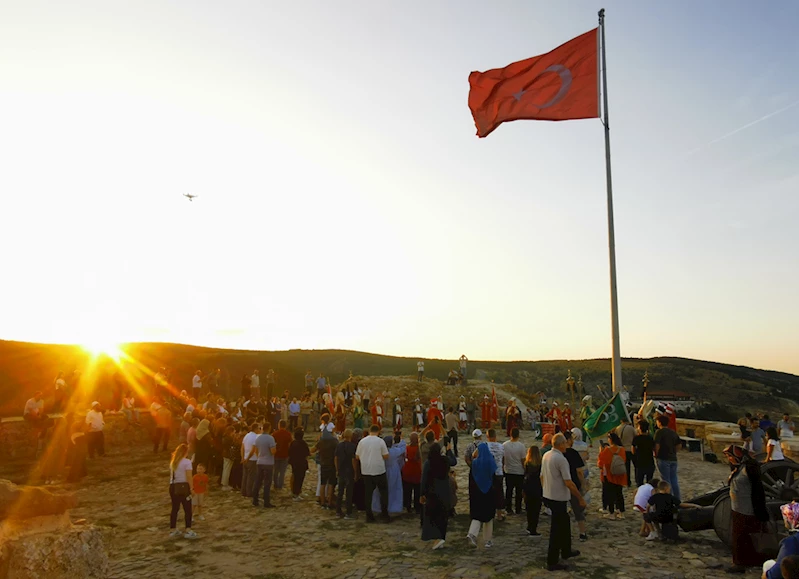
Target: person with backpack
{"x": 626, "y": 434}
{"x": 612, "y": 462}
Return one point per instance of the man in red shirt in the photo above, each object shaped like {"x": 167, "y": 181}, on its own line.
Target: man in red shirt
{"x": 283, "y": 440}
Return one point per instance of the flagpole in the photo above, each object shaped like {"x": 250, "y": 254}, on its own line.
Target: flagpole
{"x": 614, "y": 299}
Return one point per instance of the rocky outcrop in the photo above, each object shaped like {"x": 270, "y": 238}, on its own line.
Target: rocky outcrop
{"x": 38, "y": 540}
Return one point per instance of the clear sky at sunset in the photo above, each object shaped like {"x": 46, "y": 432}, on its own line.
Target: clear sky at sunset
{"x": 345, "y": 201}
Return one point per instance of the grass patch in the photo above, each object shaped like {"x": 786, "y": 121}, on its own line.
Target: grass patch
{"x": 599, "y": 572}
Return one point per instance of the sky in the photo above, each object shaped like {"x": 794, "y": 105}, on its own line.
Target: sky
{"x": 344, "y": 200}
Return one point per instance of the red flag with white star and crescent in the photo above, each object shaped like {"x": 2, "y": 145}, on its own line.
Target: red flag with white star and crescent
{"x": 557, "y": 86}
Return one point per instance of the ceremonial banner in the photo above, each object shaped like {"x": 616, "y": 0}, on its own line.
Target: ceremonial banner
{"x": 557, "y": 86}
{"x": 606, "y": 418}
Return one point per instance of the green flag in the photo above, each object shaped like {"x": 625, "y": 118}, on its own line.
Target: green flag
{"x": 606, "y": 418}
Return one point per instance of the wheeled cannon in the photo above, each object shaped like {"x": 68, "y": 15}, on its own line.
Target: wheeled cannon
{"x": 780, "y": 482}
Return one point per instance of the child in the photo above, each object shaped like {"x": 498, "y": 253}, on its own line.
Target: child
{"x": 662, "y": 513}
{"x": 641, "y": 504}
{"x": 200, "y": 483}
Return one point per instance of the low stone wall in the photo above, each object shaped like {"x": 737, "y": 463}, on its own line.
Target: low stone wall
{"x": 19, "y": 440}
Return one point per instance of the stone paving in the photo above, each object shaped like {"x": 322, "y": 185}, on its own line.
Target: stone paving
{"x": 126, "y": 495}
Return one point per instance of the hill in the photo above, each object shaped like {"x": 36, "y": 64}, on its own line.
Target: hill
{"x": 727, "y": 389}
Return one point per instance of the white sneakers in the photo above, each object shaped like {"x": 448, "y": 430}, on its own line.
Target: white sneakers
{"x": 175, "y": 533}
{"x": 472, "y": 540}
{"x": 189, "y": 534}
{"x": 439, "y": 545}
{"x": 489, "y": 544}
{"x": 653, "y": 536}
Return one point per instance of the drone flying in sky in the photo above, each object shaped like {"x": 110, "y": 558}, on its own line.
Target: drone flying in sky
{"x": 189, "y": 196}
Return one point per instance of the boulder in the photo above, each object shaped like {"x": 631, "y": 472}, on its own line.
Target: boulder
{"x": 18, "y": 502}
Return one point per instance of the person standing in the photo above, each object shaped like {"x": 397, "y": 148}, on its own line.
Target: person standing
{"x": 626, "y": 434}
{"x": 294, "y": 414}
{"x": 283, "y": 440}
{"x": 396, "y": 459}
{"x": 462, "y": 364}
{"x": 419, "y": 370}
{"x": 372, "y": 454}
{"x": 471, "y": 408}
{"x": 482, "y": 495}
{"x": 514, "y": 455}
{"x": 786, "y": 427}
{"x": 558, "y": 488}
{"x": 611, "y": 461}
{"x": 667, "y": 442}
{"x": 163, "y": 426}
{"x": 748, "y": 505}
{"x": 60, "y": 392}
{"x": 436, "y": 499}
{"x": 298, "y": 459}
{"x": 643, "y": 449}
{"x": 255, "y": 383}
{"x": 345, "y": 470}
{"x": 264, "y": 449}
{"x": 412, "y": 476}
{"x": 321, "y": 386}
{"x": 197, "y": 384}
{"x": 533, "y": 493}
{"x": 95, "y": 439}
{"x": 451, "y": 422}
{"x": 498, "y": 452}
{"x": 577, "y": 472}
{"x": 180, "y": 491}
{"x": 308, "y": 382}
{"x": 249, "y": 460}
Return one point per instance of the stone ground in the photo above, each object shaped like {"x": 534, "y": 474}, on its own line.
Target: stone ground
{"x": 126, "y": 495}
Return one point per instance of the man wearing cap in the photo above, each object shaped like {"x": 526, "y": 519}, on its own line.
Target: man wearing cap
{"x": 477, "y": 438}
{"x": 95, "y": 439}
{"x": 558, "y": 490}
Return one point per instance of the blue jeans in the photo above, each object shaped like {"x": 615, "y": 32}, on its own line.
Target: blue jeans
{"x": 280, "y": 472}
{"x": 668, "y": 470}
{"x": 263, "y": 478}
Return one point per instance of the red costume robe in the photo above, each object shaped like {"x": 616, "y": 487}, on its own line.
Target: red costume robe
{"x": 512, "y": 419}
{"x": 556, "y": 416}
{"x": 485, "y": 407}
{"x": 432, "y": 412}
{"x": 567, "y": 418}
{"x": 340, "y": 418}
{"x": 377, "y": 414}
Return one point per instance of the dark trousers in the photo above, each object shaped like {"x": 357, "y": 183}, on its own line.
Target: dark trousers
{"x": 533, "y": 506}
{"x": 514, "y": 482}
{"x": 95, "y": 442}
{"x": 647, "y": 472}
{"x": 248, "y": 473}
{"x": 159, "y": 435}
{"x": 628, "y": 461}
{"x": 299, "y": 478}
{"x": 615, "y": 495}
{"x": 419, "y": 376}
{"x": 560, "y": 535}
{"x": 281, "y": 464}
{"x": 293, "y": 420}
{"x": 453, "y": 434}
{"x": 346, "y": 484}
{"x": 410, "y": 497}
{"x": 499, "y": 496}
{"x": 263, "y": 478}
{"x": 176, "y": 503}
{"x": 379, "y": 482}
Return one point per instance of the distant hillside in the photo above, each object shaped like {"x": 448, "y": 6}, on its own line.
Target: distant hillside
{"x": 26, "y": 367}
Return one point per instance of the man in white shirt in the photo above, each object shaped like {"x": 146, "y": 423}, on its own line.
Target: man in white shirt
{"x": 249, "y": 463}
{"x": 197, "y": 384}
{"x": 419, "y": 371}
{"x": 372, "y": 453}
{"x": 34, "y": 414}
{"x": 514, "y": 454}
{"x": 255, "y": 383}
{"x": 95, "y": 439}
{"x": 558, "y": 490}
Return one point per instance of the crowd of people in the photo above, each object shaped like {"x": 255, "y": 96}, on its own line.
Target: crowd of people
{"x": 376, "y": 456}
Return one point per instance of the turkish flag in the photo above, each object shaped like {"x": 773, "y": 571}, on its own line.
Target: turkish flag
{"x": 556, "y": 86}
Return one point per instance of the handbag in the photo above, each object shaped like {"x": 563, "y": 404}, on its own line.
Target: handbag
{"x": 180, "y": 490}
{"x": 767, "y": 542}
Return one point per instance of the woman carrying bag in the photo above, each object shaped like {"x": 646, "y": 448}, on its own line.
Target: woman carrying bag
{"x": 180, "y": 491}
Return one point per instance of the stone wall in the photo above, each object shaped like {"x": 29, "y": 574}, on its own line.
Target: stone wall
{"x": 18, "y": 440}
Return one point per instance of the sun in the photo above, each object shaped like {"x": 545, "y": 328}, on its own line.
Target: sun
{"x": 99, "y": 348}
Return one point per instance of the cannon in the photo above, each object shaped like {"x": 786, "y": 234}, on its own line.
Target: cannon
{"x": 780, "y": 481}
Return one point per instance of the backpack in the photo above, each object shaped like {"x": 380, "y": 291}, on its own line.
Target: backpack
{"x": 617, "y": 465}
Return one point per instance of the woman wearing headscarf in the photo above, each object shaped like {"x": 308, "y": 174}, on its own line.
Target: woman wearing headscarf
{"x": 748, "y": 503}
{"x": 481, "y": 495}
{"x": 436, "y": 497}
{"x": 394, "y": 464}
{"x": 412, "y": 476}
{"x": 789, "y": 546}
{"x": 202, "y": 447}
